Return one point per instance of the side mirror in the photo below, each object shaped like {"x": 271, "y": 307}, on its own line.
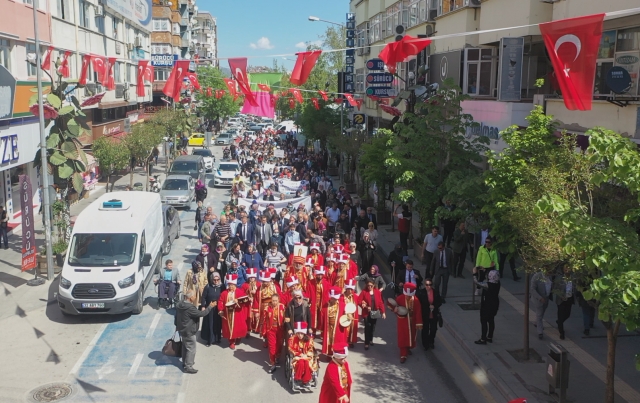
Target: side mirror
{"x": 146, "y": 259}
{"x": 201, "y": 170}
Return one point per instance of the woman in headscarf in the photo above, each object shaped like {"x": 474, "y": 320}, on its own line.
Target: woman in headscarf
{"x": 201, "y": 191}
{"x": 367, "y": 248}
{"x": 212, "y": 323}
{"x": 374, "y": 275}
{"x": 489, "y": 303}
{"x": 195, "y": 280}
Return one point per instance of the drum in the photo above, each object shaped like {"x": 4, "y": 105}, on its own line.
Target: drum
{"x": 243, "y": 299}
{"x": 350, "y": 308}
{"x": 392, "y": 302}
{"x": 231, "y": 303}
{"x": 345, "y": 321}
{"x": 402, "y": 311}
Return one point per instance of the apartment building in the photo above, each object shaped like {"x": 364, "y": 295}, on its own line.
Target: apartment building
{"x": 206, "y": 37}
{"x": 498, "y": 70}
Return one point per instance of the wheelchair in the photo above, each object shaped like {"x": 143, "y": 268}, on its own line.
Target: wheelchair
{"x": 167, "y": 303}
{"x": 289, "y": 373}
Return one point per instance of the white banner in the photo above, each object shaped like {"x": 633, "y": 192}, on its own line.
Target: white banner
{"x": 287, "y": 185}
{"x": 278, "y": 153}
{"x": 278, "y": 204}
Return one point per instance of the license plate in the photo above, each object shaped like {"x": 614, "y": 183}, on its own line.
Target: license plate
{"x": 173, "y": 202}
{"x": 95, "y": 305}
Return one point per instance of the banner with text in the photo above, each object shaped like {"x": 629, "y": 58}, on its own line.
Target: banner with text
{"x": 278, "y": 204}
{"x": 28, "y": 234}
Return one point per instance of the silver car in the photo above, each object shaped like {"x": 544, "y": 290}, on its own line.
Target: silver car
{"x": 225, "y": 139}
{"x": 178, "y": 191}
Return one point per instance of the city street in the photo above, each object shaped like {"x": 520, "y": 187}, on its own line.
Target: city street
{"x": 115, "y": 359}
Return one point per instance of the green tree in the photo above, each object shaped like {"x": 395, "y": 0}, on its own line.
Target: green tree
{"x": 372, "y": 166}
{"x": 321, "y": 124}
{"x": 111, "y": 156}
{"x": 140, "y": 144}
{"x": 212, "y": 107}
{"x": 172, "y": 124}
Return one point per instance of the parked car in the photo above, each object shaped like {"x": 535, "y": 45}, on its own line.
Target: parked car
{"x": 196, "y": 139}
{"x": 224, "y": 173}
{"x": 207, "y": 156}
{"x": 189, "y": 165}
{"x": 171, "y": 224}
{"x": 178, "y": 191}
{"x": 225, "y": 139}
{"x": 256, "y": 128}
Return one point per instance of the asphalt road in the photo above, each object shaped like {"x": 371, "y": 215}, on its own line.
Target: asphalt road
{"x": 118, "y": 359}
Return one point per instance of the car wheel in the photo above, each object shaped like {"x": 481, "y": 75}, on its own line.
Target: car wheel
{"x": 137, "y": 310}
{"x": 167, "y": 247}
{"x": 179, "y": 228}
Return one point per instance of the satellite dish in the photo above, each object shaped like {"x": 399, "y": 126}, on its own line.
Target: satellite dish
{"x": 618, "y": 80}
{"x": 399, "y": 29}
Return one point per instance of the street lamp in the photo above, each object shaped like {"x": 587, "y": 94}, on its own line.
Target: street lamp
{"x": 313, "y": 19}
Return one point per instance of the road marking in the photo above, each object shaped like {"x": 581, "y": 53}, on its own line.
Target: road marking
{"x": 183, "y": 389}
{"x": 180, "y": 398}
{"x": 87, "y": 350}
{"x": 479, "y": 381}
{"x": 154, "y": 325}
{"x": 159, "y": 372}
{"x": 107, "y": 368}
{"x": 135, "y": 365}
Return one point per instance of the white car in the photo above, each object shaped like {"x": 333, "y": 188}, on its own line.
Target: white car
{"x": 224, "y": 173}
{"x": 208, "y": 157}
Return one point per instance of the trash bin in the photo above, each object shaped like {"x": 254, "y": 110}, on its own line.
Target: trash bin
{"x": 558, "y": 371}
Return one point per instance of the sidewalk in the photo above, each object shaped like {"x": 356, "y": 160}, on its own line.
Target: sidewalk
{"x": 512, "y": 378}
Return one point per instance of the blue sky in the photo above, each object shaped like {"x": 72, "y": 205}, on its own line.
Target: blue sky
{"x": 263, "y": 27}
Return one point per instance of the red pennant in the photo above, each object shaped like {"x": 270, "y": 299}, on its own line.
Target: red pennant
{"x": 239, "y": 70}
{"x": 359, "y": 103}
{"x": 352, "y": 101}
{"x": 86, "y": 59}
{"x": 284, "y": 93}
{"x": 315, "y": 103}
{"x": 572, "y": 45}
{"x": 264, "y": 87}
{"x": 396, "y": 52}
{"x": 304, "y": 65}
{"x": 338, "y": 100}
{"x": 174, "y": 82}
{"x": 64, "y": 65}
{"x": 193, "y": 79}
{"x": 210, "y": 92}
{"x": 231, "y": 85}
{"x": 142, "y": 65}
{"x": 292, "y": 103}
{"x": 296, "y": 94}
{"x": 110, "y": 81}
{"x": 273, "y": 99}
{"x": 46, "y": 63}
{"x": 100, "y": 68}
{"x": 219, "y": 94}
{"x": 323, "y": 94}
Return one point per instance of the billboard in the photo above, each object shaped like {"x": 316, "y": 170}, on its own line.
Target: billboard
{"x": 137, "y": 11}
{"x": 446, "y": 65}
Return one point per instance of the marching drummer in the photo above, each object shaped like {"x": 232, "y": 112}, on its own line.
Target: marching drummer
{"x": 351, "y": 309}
{"x": 319, "y": 296}
{"x": 407, "y": 308}
{"x": 334, "y": 322}
{"x": 231, "y": 308}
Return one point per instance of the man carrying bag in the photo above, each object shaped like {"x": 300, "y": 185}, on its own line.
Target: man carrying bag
{"x": 187, "y": 321}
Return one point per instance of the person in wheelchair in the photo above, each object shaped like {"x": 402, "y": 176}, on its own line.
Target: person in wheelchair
{"x": 168, "y": 281}
{"x": 304, "y": 362}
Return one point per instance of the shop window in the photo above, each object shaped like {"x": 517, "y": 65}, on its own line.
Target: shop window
{"x": 31, "y": 69}
{"x": 628, "y": 39}
{"x": 83, "y": 8}
{"x": 116, "y": 72}
{"x": 161, "y": 74}
{"x": 5, "y": 54}
{"x": 480, "y": 71}
{"x": 15, "y": 173}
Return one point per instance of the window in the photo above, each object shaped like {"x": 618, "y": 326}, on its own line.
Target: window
{"x": 161, "y": 74}
{"x": 5, "y": 54}
{"x": 161, "y": 24}
{"x": 128, "y": 70}
{"x": 115, "y": 27}
{"x": 31, "y": 69}
{"x": 100, "y": 24}
{"x": 64, "y": 10}
{"x": 83, "y": 8}
{"x": 360, "y": 80}
{"x": 479, "y": 72}
{"x": 628, "y": 39}
{"x": 116, "y": 72}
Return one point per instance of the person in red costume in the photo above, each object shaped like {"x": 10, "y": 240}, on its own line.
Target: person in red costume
{"x": 337, "y": 382}
{"x": 318, "y": 297}
{"x": 343, "y": 272}
{"x": 331, "y": 268}
{"x": 299, "y": 270}
{"x": 273, "y": 330}
{"x": 332, "y": 331}
{"x": 408, "y": 324}
{"x": 349, "y": 296}
{"x": 266, "y": 289}
{"x": 231, "y": 306}
{"x": 302, "y": 353}
{"x": 315, "y": 257}
{"x": 250, "y": 288}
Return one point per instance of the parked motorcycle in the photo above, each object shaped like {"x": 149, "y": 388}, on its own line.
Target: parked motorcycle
{"x": 154, "y": 184}
{"x": 226, "y": 153}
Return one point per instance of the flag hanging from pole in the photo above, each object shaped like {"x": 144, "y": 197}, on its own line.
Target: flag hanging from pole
{"x": 64, "y": 65}
{"x": 231, "y": 85}
{"x": 239, "y": 71}
{"x": 142, "y": 65}
{"x": 297, "y": 94}
{"x": 396, "y": 52}
{"x": 314, "y": 101}
{"x": 323, "y": 94}
{"x": 174, "y": 82}
{"x": 86, "y": 59}
{"x": 46, "y": 63}
{"x": 304, "y": 64}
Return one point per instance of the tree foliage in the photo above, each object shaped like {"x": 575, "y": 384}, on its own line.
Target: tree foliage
{"x": 371, "y": 162}
{"x": 111, "y": 156}
{"x": 212, "y": 107}
{"x": 140, "y": 144}
{"x": 170, "y": 123}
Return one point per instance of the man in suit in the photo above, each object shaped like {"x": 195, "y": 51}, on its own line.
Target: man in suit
{"x": 283, "y": 221}
{"x": 245, "y": 234}
{"x": 301, "y": 227}
{"x": 440, "y": 264}
{"x": 372, "y": 217}
{"x": 408, "y": 274}
{"x": 540, "y": 294}
{"x": 430, "y": 303}
{"x": 461, "y": 242}
{"x": 263, "y": 236}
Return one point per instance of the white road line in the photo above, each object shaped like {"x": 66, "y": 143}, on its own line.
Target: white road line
{"x": 87, "y": 350}
{"x": 180, "y": 398}
{"x": 183, "y": 389}
{"x": 135, "y": 365}
{"x": 154, "y": 325}
{"x": 159, "y": 372}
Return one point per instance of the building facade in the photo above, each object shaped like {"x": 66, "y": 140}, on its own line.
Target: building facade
{"x": 206, "y": 36}
{"x": 499, "y": 69}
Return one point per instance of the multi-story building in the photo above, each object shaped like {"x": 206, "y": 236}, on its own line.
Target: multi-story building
{"x": 206, "y": 36}
{"x": 501, "y": 84}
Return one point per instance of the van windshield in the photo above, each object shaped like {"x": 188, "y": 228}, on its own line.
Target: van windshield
{"x": 184, "y": 166}
{"x": 102, "y": 249}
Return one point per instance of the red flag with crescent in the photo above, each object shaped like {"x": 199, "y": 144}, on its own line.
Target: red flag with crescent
{"x": 352, "y": 101}
{"x": 193, "y": 79}
{"x": 396, "y": 52}
{"x": 304, "y": 64}
{"x": 292, "y": 103}
{"x": 359, "y": 103}
{"x": 323, "y": 94}
{"x": 210, "y": 91}
{"x": 572, "y": 45}
{"x": 239, "y": 70}
{"x": 338, "y": 100}
{"x": 264, "y": 87}
{"x": 46, "y": 63}
{"x": 219, "y": 94}
{"x": 296, "y": 94}
{"x": 149, "y": 73}
{"x": 273, "y": 98}
{"x": 100, "y": 68}
{"x": 86, "y": 59}
{"x": 231, "y": 85}
{"x": 64, "y": 65}
{"x": 110, "y": 81}
{"x": 142, "y": 65}
{"x": 174, "y": 81}
{"x": 315, "y": 103}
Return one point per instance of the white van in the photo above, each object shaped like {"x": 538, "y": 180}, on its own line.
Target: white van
{"x": 286, "y": 126}
{"x": 115, "y": 248}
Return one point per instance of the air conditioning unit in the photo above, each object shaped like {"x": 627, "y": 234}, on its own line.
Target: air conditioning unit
{"x": 119, "y": 90}
{"x": 473, "y": 3}
{"x": 126, "y": 85}
{"x": 99, "y": 11}
{"x": 367, "y": 50}
{"x": 129, "y": 46}
{"x": 138, "y": 42}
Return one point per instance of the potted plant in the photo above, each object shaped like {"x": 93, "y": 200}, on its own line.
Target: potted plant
{"x": 60, "y": 251}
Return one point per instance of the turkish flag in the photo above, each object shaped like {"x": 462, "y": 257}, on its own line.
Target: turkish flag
{"x": 64, "y": 65}
{"x": 359, "y": 103}
{"x": 296, "y": 93}
{"x": 142, "y": 65}
{"x": 231, "y": 85}
{"x": 239, "y": 70}
{"x": 149, "y": 73}
{"x": 86, "y": 59}
{"x": 338, "y": 100}
{"x": 110, "y": 81}
{"x": 193, "y": 79}
{"x": 292, "y": 103}
{"x": 396, "y": 52}
{"x": 174, "y": 82}
{"x": 315, "y": 103}
{"x": 264, "y": 87}
{"x": 323, "y": 94}
{"x": 100, "y": 68}
{"x": 304, "y": 65}
{"x": 273, "y": 98}
{"x": 352, "y": 101}
{"x": 573, "y": 45}
{"x": 219, "y": 94}
{"x": 46, "y": 63}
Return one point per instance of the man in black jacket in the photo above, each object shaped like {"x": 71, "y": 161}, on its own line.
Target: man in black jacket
{"x": 408, "y": 275}
{"x": 187, "y": 321}
{"x": 430, "y": 302}
{"x": 297, "y": 311}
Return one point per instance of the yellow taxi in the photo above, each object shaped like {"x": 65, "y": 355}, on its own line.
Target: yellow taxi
{"x": 196, "y": 139}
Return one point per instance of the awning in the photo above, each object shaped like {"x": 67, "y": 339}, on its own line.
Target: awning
{"x": 117, "y": 104}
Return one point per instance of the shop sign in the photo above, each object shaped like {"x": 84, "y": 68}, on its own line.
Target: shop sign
{"x": 9, "y": 146}
{"x": 109, "y": 129}
{"x": 163, "y": 60}
{"x": 491, "y": 132}
{"x": 445, "y": 65}
{"x": 510, "y": 69}
{"x": 7, "y": 93}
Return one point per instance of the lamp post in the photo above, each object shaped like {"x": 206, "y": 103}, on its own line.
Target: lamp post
{"x": 313, "y": 19}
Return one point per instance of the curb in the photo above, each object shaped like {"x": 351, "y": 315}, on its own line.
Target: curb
{"x": 496, "y": 380}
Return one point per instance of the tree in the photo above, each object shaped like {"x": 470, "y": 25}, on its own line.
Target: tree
{"x": 111, "y": 156}
{"x": 140, "y": 144}
{"x": 212, "y": 107}
{"x": 171, "y": 124}
{"x": 372, "y": 166}
{"x": 431, "y": 146}
{"x": 321, "y": 124}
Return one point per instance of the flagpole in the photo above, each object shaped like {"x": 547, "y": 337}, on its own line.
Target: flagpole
{"x": 43, "y": 153}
